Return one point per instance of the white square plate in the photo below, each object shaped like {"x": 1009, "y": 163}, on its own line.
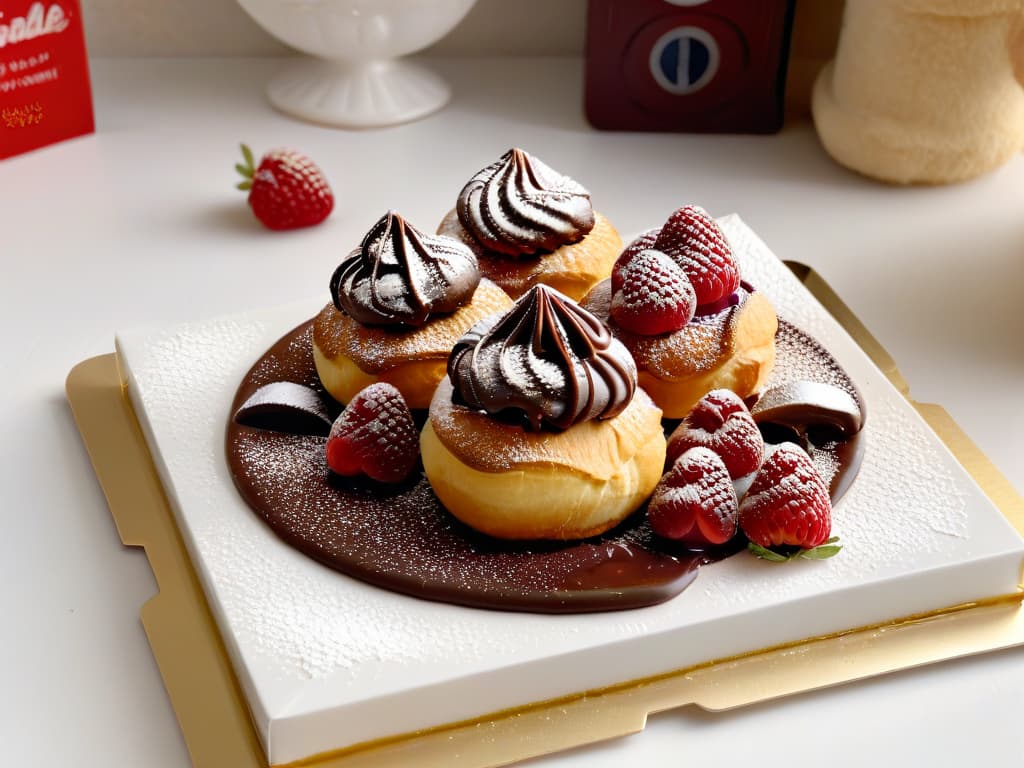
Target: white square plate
{"x": 327, "y": 662}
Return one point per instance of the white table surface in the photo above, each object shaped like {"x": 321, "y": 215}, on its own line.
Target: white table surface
{"x": 140, "y": 224}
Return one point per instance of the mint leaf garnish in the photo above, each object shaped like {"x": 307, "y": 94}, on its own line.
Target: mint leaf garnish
{"x": 820, "y": 552}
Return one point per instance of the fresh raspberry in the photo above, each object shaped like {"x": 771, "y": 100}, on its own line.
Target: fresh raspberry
{"x": 375, "y": 436}
{"x": 655, "y": 296}
{"x": 697, "y": 244}
{"x": 287, "y": 190}
{"x": 695, "y": 502}
{"x": 788, "y": 503}
{"x": 642, "y": 243}
{"x": 720, "y": 421}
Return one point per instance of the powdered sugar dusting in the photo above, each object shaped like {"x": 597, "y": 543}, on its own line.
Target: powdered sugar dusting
{"x": 762, "y": 269}
{"x": 787, "y": 504}
{"x": 493, "y": 446}
{"x": 699, "y": 346}
{"x": 287, "y": 406}
{"x": 546, "y": 361}
{"x": 695, "y": 501}
{"x": 375, "y": 435}
{"x": 655, "y": 295}
{"x": 520, "y": 206}
{"x": 402, "y": 277}
{"x": 375, "y": 349}
{"x": 720, "y": 421}
{"x": 698, "y": 245}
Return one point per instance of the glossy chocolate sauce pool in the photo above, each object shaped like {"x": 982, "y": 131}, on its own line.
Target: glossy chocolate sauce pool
{"x": 401, "y": 537}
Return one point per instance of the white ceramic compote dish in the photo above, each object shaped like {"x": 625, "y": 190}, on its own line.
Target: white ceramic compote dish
{"x": 357, "y": 79}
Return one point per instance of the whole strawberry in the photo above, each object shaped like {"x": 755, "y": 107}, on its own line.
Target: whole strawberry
{"x": 286, "y": 190}
{"x": 788, "y": 507}
{"x": 720, "y": 421}
{"x": 654, "y": 295}
{"x": 695, "y": 502}
{"x": 374, "y": 436}
{"x": 696, "y": 243}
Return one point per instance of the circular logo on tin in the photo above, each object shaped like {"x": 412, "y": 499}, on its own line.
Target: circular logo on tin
{"x": 684, "y": 60}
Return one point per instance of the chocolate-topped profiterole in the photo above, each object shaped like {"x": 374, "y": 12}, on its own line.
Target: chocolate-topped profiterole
{"x": 518, "y": 206}
{"x": 547, "y": 359}
{"x": 530, "y": 224}
{"x": 722, "y": 338}
{"x": 542, "y": 403}
{"x": 398, "y": 303}
{"x": 400, "y": 276}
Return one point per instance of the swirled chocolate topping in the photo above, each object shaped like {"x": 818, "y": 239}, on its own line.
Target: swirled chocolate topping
{"x": 519, "y": 206}
{"x": 547, "y": 360}
{"x": 400, "y": 276}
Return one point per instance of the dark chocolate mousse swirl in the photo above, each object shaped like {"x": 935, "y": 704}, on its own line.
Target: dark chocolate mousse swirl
{"x": 519, "y": 206}
{"x": 400, "y": 276}
{"x": 547, "y": 360}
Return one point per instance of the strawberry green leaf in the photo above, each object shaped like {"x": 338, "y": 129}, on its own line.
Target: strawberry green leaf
{"x": 766, "y": 554}
{"x": 247, "y": 154}
{"x": 821, "y": 552}
{"x": 245, "y": 170}
{"x": 243, "y": 185}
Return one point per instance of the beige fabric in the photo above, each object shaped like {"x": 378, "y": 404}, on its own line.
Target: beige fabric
{"x": 924, "y": 92}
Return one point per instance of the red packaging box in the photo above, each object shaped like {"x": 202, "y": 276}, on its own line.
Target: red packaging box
{"x": 44, "y": 75}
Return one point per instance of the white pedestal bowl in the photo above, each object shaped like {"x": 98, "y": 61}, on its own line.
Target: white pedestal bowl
{"x": 357, "y": 79}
